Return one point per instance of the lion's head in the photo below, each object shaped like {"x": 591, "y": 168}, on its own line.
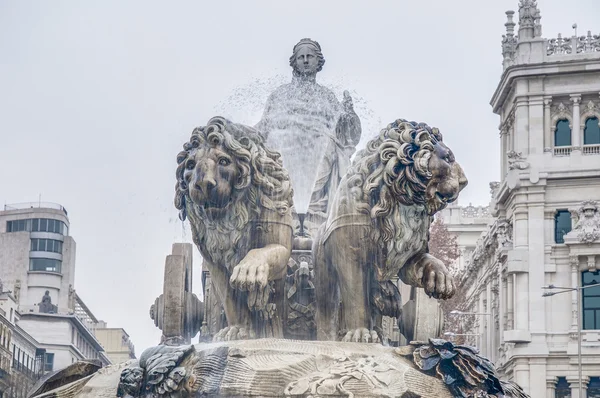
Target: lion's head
{"x": 225, "y": 172}
{"x": 408, "y": 163}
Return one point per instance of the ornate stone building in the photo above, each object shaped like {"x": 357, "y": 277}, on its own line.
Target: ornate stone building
{"x": 547, "y": 227}
{"x": 466, "y": 223}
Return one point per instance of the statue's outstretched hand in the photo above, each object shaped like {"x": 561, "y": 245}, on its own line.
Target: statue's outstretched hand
{"x": 252, "y": 275}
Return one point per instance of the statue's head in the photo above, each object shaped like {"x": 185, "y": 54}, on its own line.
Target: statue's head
{"x": 225, "y": 169}
{"x": 410, "y": 164}
{"x": 307, "y": 58}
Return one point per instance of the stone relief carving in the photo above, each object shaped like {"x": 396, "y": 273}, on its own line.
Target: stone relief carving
{"x": 370, "y": 220}
{"x": 162, "y": 371}
{"x": 516, "y": 161}
{"x": 587, "y": 227}
{"x": 238, "y": 198}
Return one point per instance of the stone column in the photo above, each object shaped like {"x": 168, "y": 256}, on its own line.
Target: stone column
{"x": 510, "y": 323}
{"x": 574, "y": 261}
{"x": 537, "y": 303}
{"x": 551, "y": 386}
{"x": 576, "y": 390}
{"x": 521, "y": 127}
{"x": 536, "y": 122}
{"x": 521, "y": 288}
{"x": 503, "y": 306}
{"x": 576, "y": 130}
{"x": 503, "y": 150}
{"x": 548, "y": 129}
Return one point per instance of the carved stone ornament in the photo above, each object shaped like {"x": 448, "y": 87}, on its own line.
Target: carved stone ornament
{"x": 163, "y": 371}
{"x": 516, "y": 161}
{"x": 587, "y": 227}
{"x": 504, "y": 234}
{"x": 278, "y": 368}
{"x": 559, "y": 46}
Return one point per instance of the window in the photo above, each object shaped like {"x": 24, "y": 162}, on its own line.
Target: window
{"x": 37, "y": 225}
{"x": 18, "y": 225}
{"x": 591, "y": 132}
{"x": 562, "y": 388}
{"x": 594, "y": 387}
{"x": 46, "y": 245}
{"x": 591, "y": 300}
{"x": 562, "y": 133}
{"x": 562, "y": 225}
{"x": 49, "y": 362}
{"x": 45, "y": 264}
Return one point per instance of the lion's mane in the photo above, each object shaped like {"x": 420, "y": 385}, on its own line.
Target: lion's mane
{"x": 263, "y": 184}
{"x": 394, "y": 167}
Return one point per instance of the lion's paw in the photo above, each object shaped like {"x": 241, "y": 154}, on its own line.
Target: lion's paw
{"x": 230, "y": 333}
{"x": 362, "y": 335}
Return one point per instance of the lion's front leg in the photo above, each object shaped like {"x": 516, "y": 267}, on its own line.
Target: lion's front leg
{"x": 254, "y": 272}
{"x": 429, "y": 273}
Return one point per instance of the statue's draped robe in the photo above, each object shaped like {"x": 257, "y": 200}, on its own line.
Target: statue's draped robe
{"x": 308, "y": 126}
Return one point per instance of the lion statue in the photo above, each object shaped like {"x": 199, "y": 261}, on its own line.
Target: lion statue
{"x": 378, "y": 229}
{"x": 238, "y": 199}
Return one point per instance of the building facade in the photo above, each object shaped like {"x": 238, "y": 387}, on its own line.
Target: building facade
{"x": 21, "y": 357}
{"x": 466, "y": 223}
{"x": 547, "y": 209}
{"x": 37, "y": 267}
{"x": 116, "y": 343}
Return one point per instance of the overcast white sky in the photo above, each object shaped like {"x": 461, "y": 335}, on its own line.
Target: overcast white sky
{"x": 97, "y": 97}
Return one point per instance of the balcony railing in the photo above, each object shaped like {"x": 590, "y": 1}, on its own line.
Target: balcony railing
{"x": 36, "y": 205}
{"x": 562, "y": 150}
{"x": 593, "y": 149}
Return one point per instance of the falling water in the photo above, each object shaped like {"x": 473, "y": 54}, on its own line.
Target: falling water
{"x": 246, "y": 105}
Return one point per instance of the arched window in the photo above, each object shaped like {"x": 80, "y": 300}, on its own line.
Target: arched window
{"x": 591, "y": 132}
{"x": 562, "y": 133}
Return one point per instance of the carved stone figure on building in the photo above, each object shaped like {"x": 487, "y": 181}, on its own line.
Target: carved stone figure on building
{"x": 516, "y": 161}
{"x": 238, "y": 198}
{"x": 378, "y": 227}
{"x": 504, "y": 234}
{"x": 46, "y": 306}
{"x": 587, "y": 227}
{"x": 315, "y": 133}
{"x": 17, "y": 290}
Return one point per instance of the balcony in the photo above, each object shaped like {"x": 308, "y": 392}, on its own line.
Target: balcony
{"x": 593, "y": 149}
{"x": 562, "y": 150}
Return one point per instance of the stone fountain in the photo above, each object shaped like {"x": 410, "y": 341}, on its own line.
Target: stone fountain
{"x": 304, "y": 249}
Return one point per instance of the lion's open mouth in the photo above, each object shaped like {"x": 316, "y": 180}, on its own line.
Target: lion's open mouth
{"x": 441, "y": 197}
